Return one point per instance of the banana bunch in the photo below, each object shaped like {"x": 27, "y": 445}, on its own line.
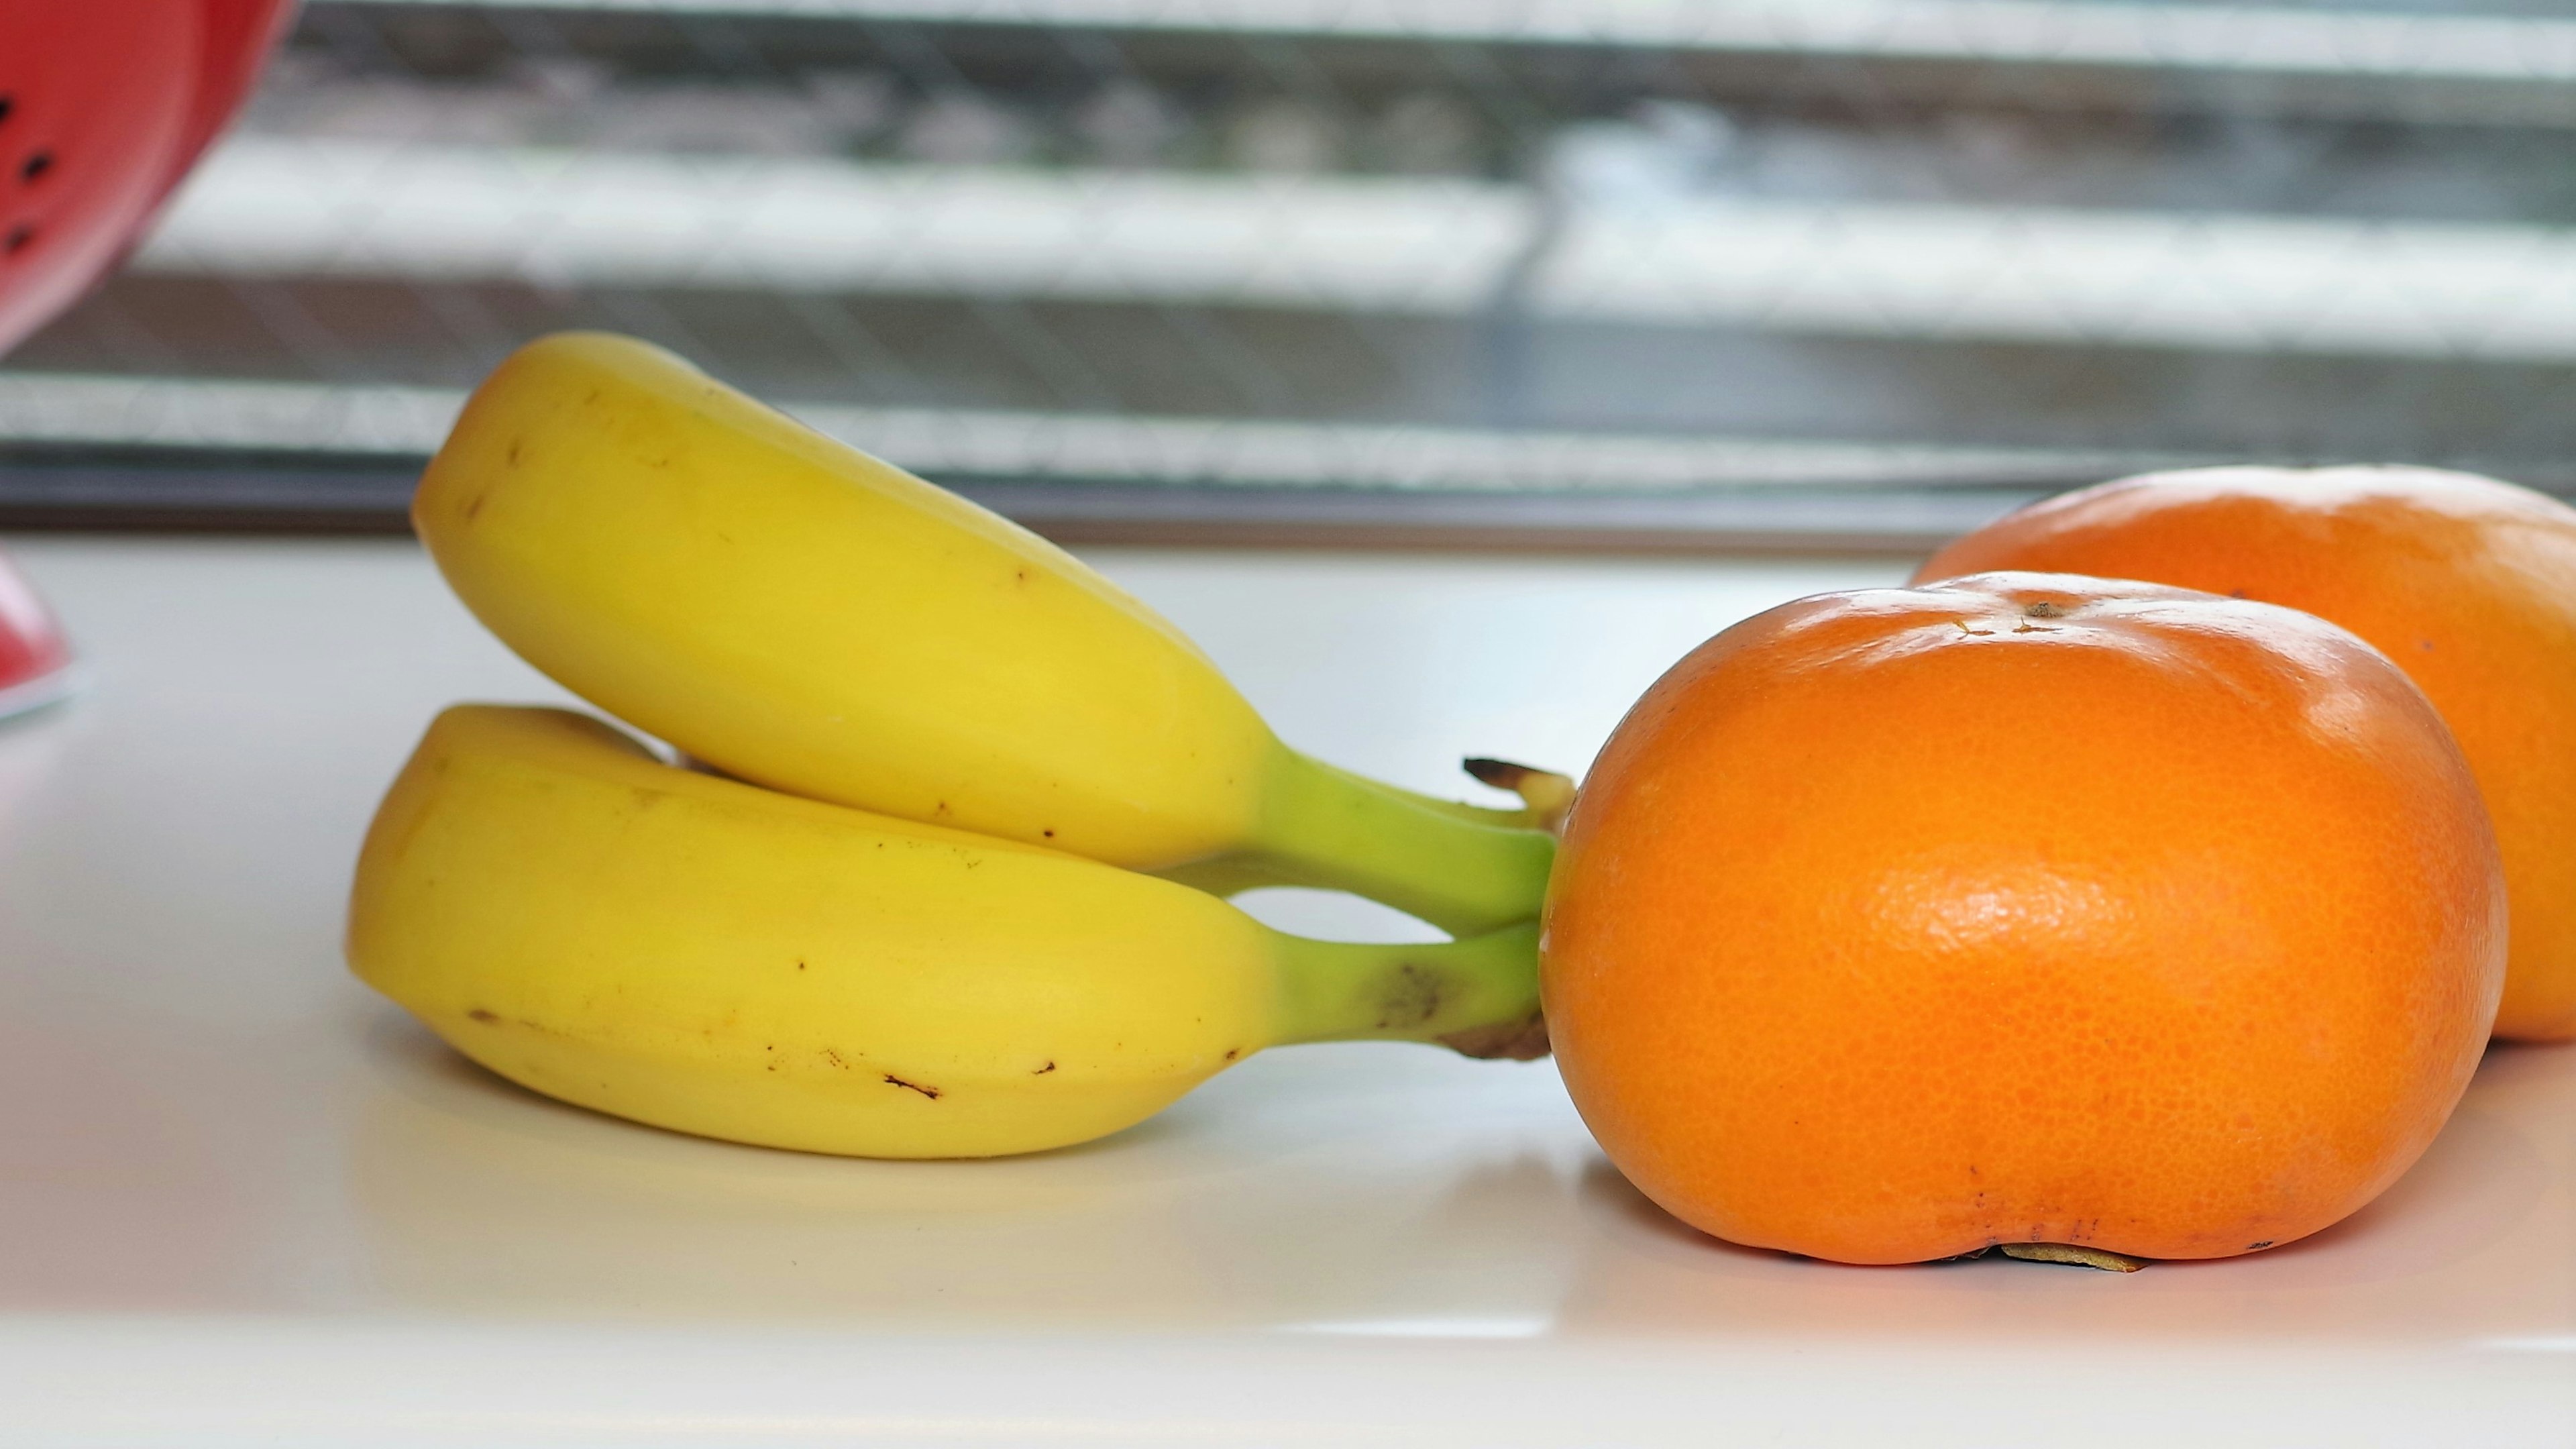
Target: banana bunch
{"x": 948, "y": 881}
{"x": 805, "y": 617}
{"x": 707, "y": 955}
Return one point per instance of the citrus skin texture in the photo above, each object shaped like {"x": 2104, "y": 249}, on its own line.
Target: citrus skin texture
{"x": 1895, "y": 924}
{"x": 2467, "y": 583}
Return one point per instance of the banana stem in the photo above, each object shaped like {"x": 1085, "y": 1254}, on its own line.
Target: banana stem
{"x": 1463, "y": 872}
{"x": 1546, "y": 796}
{"x": 1478, "y": 996}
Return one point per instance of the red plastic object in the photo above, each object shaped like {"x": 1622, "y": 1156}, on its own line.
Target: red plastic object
{"x": 35, "y": 661}
{"x": 234, "y": 43}
{"x": 104, "y": 105}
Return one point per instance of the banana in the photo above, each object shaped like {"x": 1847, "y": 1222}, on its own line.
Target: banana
{"x": 800, "y": 615}
{"x": 710, "y": 956}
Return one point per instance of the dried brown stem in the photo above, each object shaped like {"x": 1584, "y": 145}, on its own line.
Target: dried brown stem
{"x": 1548, "y": 794}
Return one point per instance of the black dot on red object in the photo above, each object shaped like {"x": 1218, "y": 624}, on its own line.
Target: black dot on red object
{"x": 8, "y": 103}
{"x": 36, "y": 165}
{"x": 17, "y": 240}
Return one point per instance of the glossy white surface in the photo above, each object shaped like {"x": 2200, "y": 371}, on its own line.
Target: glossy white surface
{"x": 244, "y": 1202}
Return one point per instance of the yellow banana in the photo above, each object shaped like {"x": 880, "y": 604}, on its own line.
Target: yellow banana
{"x": 801, "y": 615}
{"x": 714, "y": 957}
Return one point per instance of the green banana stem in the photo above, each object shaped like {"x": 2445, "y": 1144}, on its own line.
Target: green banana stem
{"x": 1478, "y": 996}
{"x": 1334, "y": 830}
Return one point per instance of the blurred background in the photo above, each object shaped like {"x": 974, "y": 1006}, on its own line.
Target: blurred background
{"x": 1639, "y": 273}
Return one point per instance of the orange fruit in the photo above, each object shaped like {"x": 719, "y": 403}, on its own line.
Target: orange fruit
{"x": 1895, "y": 924}
{"x": 2468, "y": 583}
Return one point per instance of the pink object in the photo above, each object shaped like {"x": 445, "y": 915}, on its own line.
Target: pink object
{"x": 104, "y": 105}
{"x": 35, "y": 660}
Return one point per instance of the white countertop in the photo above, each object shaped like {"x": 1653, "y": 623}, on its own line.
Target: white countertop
{"x": 243, "y": 1201}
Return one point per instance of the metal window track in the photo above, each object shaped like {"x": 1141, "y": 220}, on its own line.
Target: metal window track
{"x": 2130, "y": 36}
{"x": 239, "y": 492}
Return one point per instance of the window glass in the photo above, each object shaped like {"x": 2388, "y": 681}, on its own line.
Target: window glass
{"x": 1648, "y": 268}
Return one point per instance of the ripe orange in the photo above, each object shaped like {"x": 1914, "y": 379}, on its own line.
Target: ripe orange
{"x": 2468, "y": 583}
{"x": 2023, "y": 908}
